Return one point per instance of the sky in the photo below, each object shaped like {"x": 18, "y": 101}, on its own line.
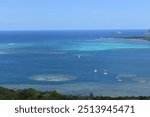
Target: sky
{"x": 74, "y": 14}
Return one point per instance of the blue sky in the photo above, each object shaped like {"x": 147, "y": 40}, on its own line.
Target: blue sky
{"x": 74, "y": 14}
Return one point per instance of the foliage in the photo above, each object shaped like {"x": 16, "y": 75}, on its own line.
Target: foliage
{"x": 32, "y": 94}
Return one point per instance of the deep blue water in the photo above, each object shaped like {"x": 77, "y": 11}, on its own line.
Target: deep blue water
{"x": 79, "y": 61}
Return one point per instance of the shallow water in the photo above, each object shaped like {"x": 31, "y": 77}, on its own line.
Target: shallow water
{"x": 78, "y": 62}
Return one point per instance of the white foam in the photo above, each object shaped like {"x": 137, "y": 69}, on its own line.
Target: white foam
{"x": 52, "y": 77}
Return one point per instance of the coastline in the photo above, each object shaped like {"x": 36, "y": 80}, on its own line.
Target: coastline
{"x": 32, "y": 94}
{"x": 147, "y": 38}
{"x": 84, "y": 89}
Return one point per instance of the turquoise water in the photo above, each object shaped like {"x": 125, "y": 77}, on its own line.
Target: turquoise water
{"x": 76, "y": 62}
{"x": 81, "y": 45}
{"x": 104, "y": 44}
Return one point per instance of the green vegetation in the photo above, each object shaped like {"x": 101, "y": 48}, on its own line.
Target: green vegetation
{"x": 31, "y": 94}
{"x": 145, "y": 37}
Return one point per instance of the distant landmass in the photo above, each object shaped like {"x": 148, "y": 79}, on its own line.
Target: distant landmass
{"x": 145, "y": 37}
{"x": 137, "y": 37}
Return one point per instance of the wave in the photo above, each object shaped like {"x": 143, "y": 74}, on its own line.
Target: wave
{"x": 52, "y": 77}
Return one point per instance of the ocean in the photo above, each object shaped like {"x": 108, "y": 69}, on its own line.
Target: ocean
{"x": 76, "y": 62}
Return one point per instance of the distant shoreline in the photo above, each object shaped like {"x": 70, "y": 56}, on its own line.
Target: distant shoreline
{"x": 136, "y": 37}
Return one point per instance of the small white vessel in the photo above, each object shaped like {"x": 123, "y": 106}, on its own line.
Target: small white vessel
{"x": 95, "y": 70}
{"x": 105, "y": 73}
{"x": 119, "y": 80}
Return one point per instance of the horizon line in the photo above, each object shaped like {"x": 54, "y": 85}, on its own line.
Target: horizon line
{"x": 72, "y": 29}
